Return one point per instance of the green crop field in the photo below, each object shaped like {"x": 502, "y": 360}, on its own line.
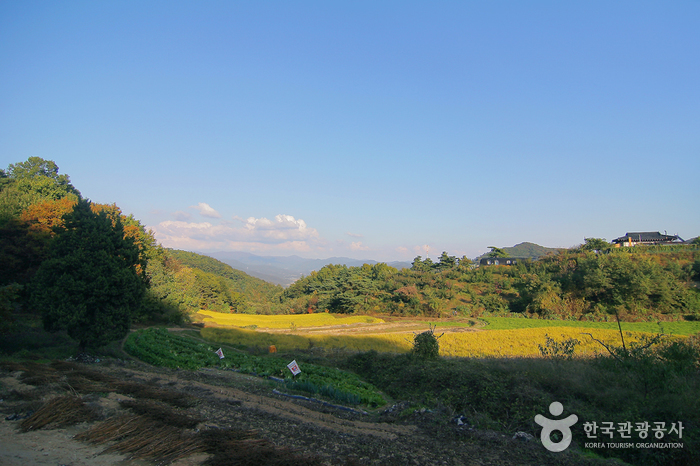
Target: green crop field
{"x": 162, "y": 348}
{"x": 669, "y": 328}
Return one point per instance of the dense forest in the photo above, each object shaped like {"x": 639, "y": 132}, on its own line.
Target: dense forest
{"x": 590, "y": 282}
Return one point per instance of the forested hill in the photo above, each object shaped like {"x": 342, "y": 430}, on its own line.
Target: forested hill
{"x": 582, "y": 283}
{"x": 253, "y": 288}
{"x": 527, "y": 250}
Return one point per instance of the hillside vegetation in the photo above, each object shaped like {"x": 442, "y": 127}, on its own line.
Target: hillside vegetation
{"x": 256, "y": 296}
{"x": 46, "y": 224}
{"x": 641, "y": 283}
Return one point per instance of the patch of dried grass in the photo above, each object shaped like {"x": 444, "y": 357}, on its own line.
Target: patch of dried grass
{"x": 10, "y": 366}
{"x": 65, "y": 366}
{"x": 38, "y": 374}
{"x": 158, "y": 432}
{"x": 60, "y": 411}
{"x": 24, "y": 395}
{"x": 144, "y": 438}
{"x": 260, "y": 452}
{"x": 139, "y": 390}
{"x": 163, "y": 413}
{"x": 239, "y": 447}
{"x": 80, "y": 384}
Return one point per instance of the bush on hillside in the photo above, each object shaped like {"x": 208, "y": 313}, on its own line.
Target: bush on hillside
{"x": 426, "y": 345}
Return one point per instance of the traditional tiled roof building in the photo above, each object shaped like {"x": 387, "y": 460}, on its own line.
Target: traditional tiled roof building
{"x": 646, "y": 237}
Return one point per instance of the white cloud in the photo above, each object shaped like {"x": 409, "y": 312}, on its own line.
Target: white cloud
{"x": 358, "y": 246}
{"x": 205, "y": 210}
{"x": 281, "y": 223}
{"x": 354, "y": 235}
{"x": 283, "y": 233}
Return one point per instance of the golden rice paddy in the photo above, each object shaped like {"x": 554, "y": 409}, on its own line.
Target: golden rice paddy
{"x": 283, "y": 321}
{"x": 455, "y": 342}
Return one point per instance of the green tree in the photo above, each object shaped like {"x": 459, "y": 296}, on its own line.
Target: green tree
{"x": 419, "y": 266}
{"x": 9, "y": 296}
{"x": 446, "y": 261}
{"x": 465, "y": 263}
{"x": 21, "y": 253}
{"x": 26, "y": 183}
{"x": 595, "y": 244}
{"x": 497, "y": 252}
{"x": 89, "y": 285}
{"x": 4, "y": 180}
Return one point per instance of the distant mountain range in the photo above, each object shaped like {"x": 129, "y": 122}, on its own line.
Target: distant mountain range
{"x": 285, "y": 270}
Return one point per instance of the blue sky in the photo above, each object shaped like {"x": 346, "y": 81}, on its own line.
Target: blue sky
{"x": 374, "y": 130}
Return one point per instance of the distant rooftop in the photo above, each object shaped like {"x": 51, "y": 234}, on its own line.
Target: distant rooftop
{"x": 647, "y": 237}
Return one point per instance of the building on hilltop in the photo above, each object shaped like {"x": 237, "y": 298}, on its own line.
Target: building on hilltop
{"x": 646, "y": 237}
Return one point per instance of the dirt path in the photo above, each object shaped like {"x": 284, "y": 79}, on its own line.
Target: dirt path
{"x": 52, "y": 447}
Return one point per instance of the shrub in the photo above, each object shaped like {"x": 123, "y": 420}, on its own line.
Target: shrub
{"x": 564, "y": 349}
{"x": 425, "y": 345}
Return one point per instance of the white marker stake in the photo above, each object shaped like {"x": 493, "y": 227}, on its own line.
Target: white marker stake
{"x": 220, "y": 353}
{"x": 294, "y": 367}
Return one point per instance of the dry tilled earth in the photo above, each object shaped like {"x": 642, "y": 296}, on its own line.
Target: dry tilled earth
{"x": 128, "y": 413}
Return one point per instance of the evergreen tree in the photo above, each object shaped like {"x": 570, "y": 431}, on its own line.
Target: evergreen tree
{"x": 418, "y": 265}
{"x": 497, "y": 252}
{"x": 446, "y": 261}
{"x": 89, "y": 285}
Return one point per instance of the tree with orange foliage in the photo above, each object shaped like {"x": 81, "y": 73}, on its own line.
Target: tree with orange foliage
{"x": 45, "y": 217}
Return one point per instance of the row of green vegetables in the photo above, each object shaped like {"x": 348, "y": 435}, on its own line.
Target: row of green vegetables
{"x": 159, "y": 347}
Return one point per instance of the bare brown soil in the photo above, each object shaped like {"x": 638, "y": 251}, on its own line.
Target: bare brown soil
{"x": 225, "y": 401}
